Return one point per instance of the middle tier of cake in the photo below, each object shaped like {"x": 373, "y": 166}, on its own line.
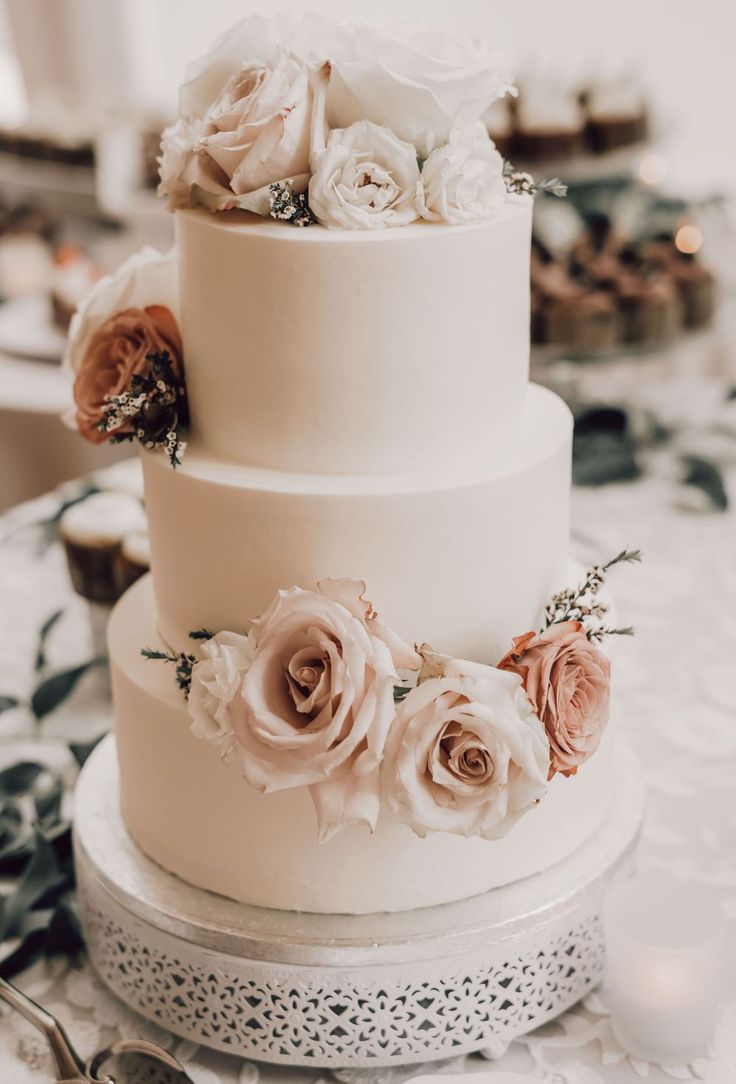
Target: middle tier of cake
{"x": 462, "y": 559}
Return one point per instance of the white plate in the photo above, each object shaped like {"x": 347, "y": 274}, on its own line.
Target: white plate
{"x": 27, "y": 329}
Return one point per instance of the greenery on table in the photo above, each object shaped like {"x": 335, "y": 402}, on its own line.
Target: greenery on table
{"x": 37, "y": 915}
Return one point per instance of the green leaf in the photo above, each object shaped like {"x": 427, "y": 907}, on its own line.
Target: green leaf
{"x": 19, "y": 777}
{"x": 65, "y": 930}
{"x": 81, "y": 751}
{"x": 43, "y": 636}
{"x": 41, "y": 875}
{"x": 707, "y": 477}
{"x": 48, "y": 804}
{"x": 54, "y": 690}
{"x": 8, "y": 702}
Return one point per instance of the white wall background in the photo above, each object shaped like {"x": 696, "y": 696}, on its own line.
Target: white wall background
{"x": 685, "y": 48}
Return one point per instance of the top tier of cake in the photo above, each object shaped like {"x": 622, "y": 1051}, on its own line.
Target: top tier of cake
{"x": 354, "y": 352}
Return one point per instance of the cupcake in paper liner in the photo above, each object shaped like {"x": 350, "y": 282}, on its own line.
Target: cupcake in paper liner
{"x": 92, "y": 532}
{"x": 134, "y": 559}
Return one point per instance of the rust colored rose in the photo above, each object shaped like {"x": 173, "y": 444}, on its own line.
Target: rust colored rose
{"x": 116, "y": 352}
{"x": 567, "y": 680}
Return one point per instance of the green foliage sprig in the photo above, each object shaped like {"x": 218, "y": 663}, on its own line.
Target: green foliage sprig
{"x": 582, "y": 603}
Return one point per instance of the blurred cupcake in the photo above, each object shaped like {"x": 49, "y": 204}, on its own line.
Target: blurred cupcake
{"x": 650, "y": 306}
{"x": 582, "y": 321}
{"x": 549, "y": 122}
{"x": 134, "y": 559}
{"x": 73, "y": 277}
{"x": 616, "y": 113}
{"x": 92, "y": 532}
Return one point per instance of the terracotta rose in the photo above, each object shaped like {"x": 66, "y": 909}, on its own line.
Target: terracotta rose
{"x": 567, "y": 681}
{"x": 116, "y": 351}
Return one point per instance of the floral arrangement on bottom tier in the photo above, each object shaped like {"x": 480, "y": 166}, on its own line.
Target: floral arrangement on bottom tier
{"x": 311, "y": 697}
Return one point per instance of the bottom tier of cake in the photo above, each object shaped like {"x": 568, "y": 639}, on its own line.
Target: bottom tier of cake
{"x": 194, "y": 814}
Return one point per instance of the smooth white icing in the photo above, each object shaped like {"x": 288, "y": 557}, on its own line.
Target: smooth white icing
{"x": 353, "y": 352}
{"x": 102, "y": 519}
{"x": 197, "y": 817}
{"x": 464, "y": 559}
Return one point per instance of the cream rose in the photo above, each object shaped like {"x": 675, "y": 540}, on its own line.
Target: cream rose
{"x": 256, "y": 132}
{"x": 215, "y": 699}
{"x": 567, "y": 680}
{"x": 462, "y": 181}
{"x": 364, "y": 179}
{"x": 317, "y": 700}
{"x": 419, "y": 83}
{"x": 146, "y": 281}
{"x": 466, "y": 754}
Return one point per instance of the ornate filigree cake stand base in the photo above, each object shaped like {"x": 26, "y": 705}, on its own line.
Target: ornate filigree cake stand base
{"x": 338, "y": 990}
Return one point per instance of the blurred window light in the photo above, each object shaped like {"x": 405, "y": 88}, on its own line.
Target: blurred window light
{"x": 688, "y": 239}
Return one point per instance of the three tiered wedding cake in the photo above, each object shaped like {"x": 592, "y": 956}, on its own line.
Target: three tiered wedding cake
{"x": 337, "y": 424}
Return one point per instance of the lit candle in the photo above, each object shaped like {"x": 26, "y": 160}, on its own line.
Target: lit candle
{"x": 664, "y": 941}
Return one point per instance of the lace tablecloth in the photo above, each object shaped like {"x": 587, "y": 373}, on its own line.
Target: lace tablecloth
{"x": 676, "y": 688}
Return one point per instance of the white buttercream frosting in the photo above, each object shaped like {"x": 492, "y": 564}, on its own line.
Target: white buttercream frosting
{"x": 102, "y": 519}
{"x": 354, "y": 351}
{"x": 136, "y": 548}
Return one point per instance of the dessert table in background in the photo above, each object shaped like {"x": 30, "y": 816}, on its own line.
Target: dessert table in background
{"x": 675, "y": 687}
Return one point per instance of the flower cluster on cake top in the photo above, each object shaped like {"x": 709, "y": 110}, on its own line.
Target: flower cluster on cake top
{"x": 347, "y": 125}
{"x": 311, "y": 696}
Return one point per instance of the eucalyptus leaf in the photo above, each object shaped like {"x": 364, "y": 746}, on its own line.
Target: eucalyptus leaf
{"x": 65, "y": 930}
{"x": 30, "y": 949}
{"x": 707, "y": 477}
{"x": 48, "y": 804}
{"x": 8, "y": 702}
{"x": 81, "y": 751}
{"x": 42, "y": 875}
{"x": 19, "y": 777}
{"x": 53, "y": 691}
{"x": 11, "y": 820}
{"x": 46, "y": 628}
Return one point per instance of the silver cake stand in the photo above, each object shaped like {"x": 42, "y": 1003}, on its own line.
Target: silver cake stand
{"x": 342, "y": 990}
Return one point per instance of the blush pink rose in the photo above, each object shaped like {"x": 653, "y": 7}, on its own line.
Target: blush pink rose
{"x": 567, "y": 680}
{"x": 116, "y": 351}
{"x": 466, "y": 754}
{"x": 318, "y": 700}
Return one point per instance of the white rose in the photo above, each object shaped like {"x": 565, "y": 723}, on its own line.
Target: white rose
{"x": 462, "y": 181}
{"x": 317, "y": 700}
{"x": 215, "y": 699}
{"x": 255, "y": 132}
{"x": 466, "y": 754}
{"x": 421, "y": 84}
{"x": 146, "y": 278}
{"x": 365, "y": 178}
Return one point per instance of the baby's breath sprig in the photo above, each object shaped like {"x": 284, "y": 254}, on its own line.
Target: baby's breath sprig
{"x": 523, "y": 184}
{"x": 582, "y": 604}
{"x": 289, "y": 206}
{"x": 153, "y": 410}
{"x": 183, "y": 662}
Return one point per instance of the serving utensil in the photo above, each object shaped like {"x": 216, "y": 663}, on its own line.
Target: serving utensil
{"x": 126, "y": 1061}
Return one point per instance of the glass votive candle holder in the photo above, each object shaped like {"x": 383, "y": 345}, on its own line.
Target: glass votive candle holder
{"x": 664, "y": 945}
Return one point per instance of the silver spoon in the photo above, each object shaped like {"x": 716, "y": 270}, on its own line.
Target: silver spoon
{"x": 134, "y": 1061}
